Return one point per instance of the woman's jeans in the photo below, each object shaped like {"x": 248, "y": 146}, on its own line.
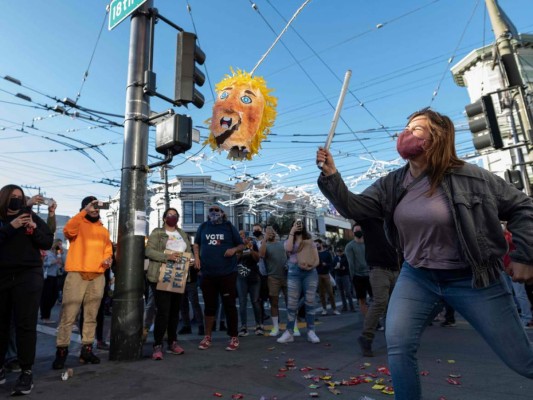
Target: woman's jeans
{"x": 491, "y": 312}
{"x": 251, "y": 286}
{"x": 298, "y": 281}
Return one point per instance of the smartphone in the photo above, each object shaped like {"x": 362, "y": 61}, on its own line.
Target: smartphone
{"x": 102, "y": 205}
{"x": 47, "y": 201}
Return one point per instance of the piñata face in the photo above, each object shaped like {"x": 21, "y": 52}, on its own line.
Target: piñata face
{"x": 236, "y": 119}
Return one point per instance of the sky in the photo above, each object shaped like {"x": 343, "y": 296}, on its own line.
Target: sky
{"x": 399, "y": 52}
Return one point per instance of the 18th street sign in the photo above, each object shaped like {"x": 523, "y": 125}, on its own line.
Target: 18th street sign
{"x": 120, "y": 9}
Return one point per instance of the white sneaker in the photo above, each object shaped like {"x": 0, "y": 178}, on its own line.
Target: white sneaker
{"x": 274, "y": 332}
{"x": 324, "y": 311}
{"x": 336, "y": 312}
{"x": 296, "y": 331}
{"x": 312, "y": 337}
{"x": 286, "y": 337}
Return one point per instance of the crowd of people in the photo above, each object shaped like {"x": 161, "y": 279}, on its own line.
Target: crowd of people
{"x": 435, "y": 234}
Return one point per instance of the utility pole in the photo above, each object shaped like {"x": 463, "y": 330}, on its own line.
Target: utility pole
{"x": 128, "y": 298}
{"x": 513, "y": 77}
{"x": 164, "y": 171}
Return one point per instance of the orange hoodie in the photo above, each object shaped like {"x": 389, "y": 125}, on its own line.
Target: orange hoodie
{"x": 89, "y": 247}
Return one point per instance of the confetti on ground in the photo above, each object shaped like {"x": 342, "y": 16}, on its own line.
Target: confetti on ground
{"x": 451, "y": 361}
{"x": 283, "y": 369}
{"x": 388, "y": 390}
{"x": 454, "y": 375}
{"x": 314, "y": 394}
{"x": 216, "y": 394}
{"x": 325, "y": 377}
{"x": 308, "y": 376}
{"x": 313, "y": 386}
{"x": 384, "y": 370}
{"x": 335, "y": 391}
{"x": 306, "y": 369}
{"x": 237, "y": 396}
{"x": 322, "y": 368}
{"x": 424, "y": 373}
{"x": 452, "y": 381}
{"x": 378, "y": 387}
{"x": 280, "y": 375}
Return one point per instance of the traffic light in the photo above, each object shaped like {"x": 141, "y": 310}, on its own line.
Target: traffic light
{"x": 483, "y": 123}
{"x": 187, "y": 73}
{"x": 514, "y": 177}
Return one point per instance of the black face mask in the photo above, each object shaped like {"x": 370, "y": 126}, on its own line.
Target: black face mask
{"x": 92, "y": 219}
{"x": 15, "y": 204}
{"x": 257, "y": 234}
{"x": 358, "y": 234}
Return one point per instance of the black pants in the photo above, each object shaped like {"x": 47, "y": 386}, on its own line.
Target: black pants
{"x": 20, "y": 294}
{"x": 226, "y": 287}
{"x": 167, "y": 313}
{"x": 49, "y": 296}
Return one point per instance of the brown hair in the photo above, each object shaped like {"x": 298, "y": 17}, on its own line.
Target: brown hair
{"x": 441, "y": 154}
{"x": 5, "y": 196}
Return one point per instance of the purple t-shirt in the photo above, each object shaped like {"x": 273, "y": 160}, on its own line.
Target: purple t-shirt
{"x": 425, "y": 225}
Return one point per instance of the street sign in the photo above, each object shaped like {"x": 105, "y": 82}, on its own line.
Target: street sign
{"x": 120, "y": 9}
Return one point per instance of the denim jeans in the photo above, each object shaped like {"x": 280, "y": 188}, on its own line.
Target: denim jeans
{"x": 344, "y": 285}
{"x": 252, "y": 287}
{"x": 298, "y": 281}
{"x": 490, "y": 311}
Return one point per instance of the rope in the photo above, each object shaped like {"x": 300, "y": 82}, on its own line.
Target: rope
{"x": 279, "y": 36}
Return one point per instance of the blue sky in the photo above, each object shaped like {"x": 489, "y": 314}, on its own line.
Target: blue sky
{"x": 49, "y": 45}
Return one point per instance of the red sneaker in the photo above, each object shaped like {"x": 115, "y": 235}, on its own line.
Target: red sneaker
{"x": 158, "y": 353}
{"x": 175, "y": 348}
{"x": 205, "y": 343}
{"x": 233, "y": 344}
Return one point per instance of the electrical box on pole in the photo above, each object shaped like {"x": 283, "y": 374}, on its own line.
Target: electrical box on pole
{"x": 514, "y": 177}
{"x": 483, "y": 124}
{"x": 174, "y": 134}
{"x": 187, "y": 73}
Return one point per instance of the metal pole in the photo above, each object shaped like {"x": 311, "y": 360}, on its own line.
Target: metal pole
{"x": 167, "y": 196}
{"x": 128, "y": 299}
{"x": 519, "y": 156}
{"x": 509, "y": 61}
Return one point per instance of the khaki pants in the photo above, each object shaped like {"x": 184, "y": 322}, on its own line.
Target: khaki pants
{"x": 75, "y": 293}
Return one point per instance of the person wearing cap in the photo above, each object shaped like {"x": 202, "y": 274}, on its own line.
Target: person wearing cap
{"x": 90, "y": 254}
{"x": 216, "y": 245}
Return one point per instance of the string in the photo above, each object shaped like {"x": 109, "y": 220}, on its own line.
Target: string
{"x": 279, "y": 36}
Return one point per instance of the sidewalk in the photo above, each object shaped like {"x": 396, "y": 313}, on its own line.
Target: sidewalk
{"x": 254, "y": 372}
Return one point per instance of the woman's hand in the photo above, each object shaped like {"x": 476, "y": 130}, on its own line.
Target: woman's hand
{"x": 520, "y": 272}
{"x": 22, "y": 220}
{"x": 325, "y": 157}
{"x": 175, "y": 256}
{"x": 230, "y": 252}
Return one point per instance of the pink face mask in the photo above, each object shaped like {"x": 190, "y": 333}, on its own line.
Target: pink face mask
{"x": 408, "y": 145}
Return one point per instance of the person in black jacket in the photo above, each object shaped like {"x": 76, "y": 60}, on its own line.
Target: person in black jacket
{"x": 324, "y": 281}
{"x": 22, "y": 237}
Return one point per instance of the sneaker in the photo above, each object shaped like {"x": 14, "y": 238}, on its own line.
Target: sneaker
{"x": 274, "y": 332}
{"x": 366, "y": 346}
{"x": 233, "y": 344}
{"x": 296, "y": 331}
{"x": 158, "y": 353}
{"x": 205, "y": 343}
{"x": 24, "y": 384}
{"x": 2, "y": 376}
{"x": 447, "y": 324}
{"x": 87, "y": 356}
{"x": 61, "y": 358}
{"x": 243, "y": 331}
{"x": 175, "y": 348}
{"x": 101, "y": 345}
{"x": 336, "y": 312}
{"x": 12, "y": 366}
{"x": 324, "y": 311}
{"x": 259, "y": 330}
{"x": 201, "y": 331}
{"x": 287, "y": 337}
{"x": 312, "y": 337}
{"x": 185, "y": 330}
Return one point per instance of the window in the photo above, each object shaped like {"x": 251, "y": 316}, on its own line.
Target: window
{"x": 193, "y": 212}
{"x": 199, "y": 215}
{"x": 187, "y": 212}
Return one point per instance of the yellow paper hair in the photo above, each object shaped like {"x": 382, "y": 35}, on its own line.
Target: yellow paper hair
{"x": 269, "y": 113}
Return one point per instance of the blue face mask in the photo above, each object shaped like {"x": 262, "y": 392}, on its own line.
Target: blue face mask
{"x": 215, "y": 216}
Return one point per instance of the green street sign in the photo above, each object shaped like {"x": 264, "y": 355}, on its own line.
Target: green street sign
{"x": 120, "y": 9}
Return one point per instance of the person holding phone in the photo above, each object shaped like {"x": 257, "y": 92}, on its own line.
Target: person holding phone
{"x": 300, "y": 278}
{"x": 90, "y": 255}
{"x": 22, "y": 237}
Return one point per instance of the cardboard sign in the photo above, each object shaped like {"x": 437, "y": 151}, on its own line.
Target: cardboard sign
{"x": 173, "y": 274}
